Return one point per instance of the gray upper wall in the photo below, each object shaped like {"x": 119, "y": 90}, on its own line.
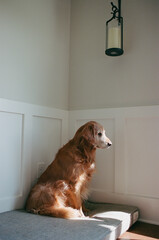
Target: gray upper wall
{"x": 100, "y": 81}
{"x": 34, "y": 51}
{"x": 43, "y": 62}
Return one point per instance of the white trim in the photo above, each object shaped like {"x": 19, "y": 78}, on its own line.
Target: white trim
{"x": 28, "y": 111}
{"x": 119, "y": 193}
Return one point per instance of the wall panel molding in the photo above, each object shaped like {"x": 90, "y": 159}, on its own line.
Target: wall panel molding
{"x": 18, "y": 126}
{"x": 127, "y": 173}
{"x": 11, "y": 128}
{"x": 136, "y": 162}
{"x": 142, "y": 155}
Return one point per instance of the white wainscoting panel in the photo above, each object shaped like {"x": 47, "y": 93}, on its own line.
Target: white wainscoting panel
{"x": 11, "y": 142}
{"x": 142, "y": 156}
{"x": 29, "y": 134}
{"x": 127, "y": 173}
{"x": 46, "y": 140}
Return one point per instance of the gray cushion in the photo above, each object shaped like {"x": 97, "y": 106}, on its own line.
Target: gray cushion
{"x": 108, "y": 221}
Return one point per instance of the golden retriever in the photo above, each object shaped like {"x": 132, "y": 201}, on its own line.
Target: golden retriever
{"x": 61, "y": 189}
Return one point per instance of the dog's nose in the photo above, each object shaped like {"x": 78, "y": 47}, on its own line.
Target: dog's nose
{"x": 109, "y": 144}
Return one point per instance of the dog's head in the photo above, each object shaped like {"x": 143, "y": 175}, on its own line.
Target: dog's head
{"x": 93, "y": 134}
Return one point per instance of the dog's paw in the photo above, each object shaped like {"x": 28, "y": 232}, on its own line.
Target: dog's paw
{"x": 73, "y": 213}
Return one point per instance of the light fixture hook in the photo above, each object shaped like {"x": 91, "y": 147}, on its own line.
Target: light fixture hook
{"x": 115, "y": 10}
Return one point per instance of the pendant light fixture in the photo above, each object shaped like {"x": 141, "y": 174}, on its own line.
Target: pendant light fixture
{"x": 114, "y": 32}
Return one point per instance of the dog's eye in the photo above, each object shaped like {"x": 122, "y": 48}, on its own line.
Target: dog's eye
{"x": 99, "y": 134}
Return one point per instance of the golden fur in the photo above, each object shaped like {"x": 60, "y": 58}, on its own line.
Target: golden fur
{"x": 62, "y": 187}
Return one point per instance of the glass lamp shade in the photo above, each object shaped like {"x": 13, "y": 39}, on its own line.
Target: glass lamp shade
{"x": 114, "y": 37}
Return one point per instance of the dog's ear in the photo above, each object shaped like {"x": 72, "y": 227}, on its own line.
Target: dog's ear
{"x": 85, "y": 135}
{"x": 88, "y": 134}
